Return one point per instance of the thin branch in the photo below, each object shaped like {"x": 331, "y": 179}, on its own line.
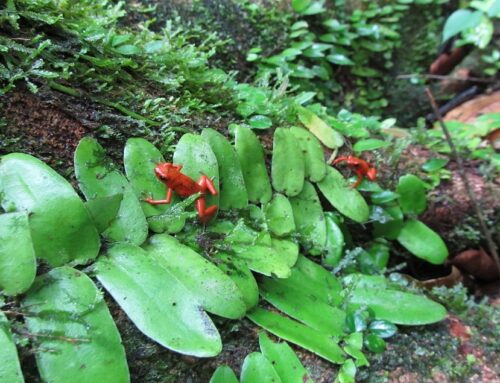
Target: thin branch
{"x": 455, "y": 78}
{"x": 482, "y": 221}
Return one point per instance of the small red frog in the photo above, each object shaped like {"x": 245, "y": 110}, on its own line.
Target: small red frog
{"x": 358, "y": 166}
{"x": 170, "y": 174}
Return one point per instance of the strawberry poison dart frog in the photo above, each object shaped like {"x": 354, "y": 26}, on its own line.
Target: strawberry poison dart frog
{"x": 170, "y": 174}
{"x": 358, "y": 166}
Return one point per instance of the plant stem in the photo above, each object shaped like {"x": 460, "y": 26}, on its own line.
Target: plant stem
{"x": 482, "y": 221}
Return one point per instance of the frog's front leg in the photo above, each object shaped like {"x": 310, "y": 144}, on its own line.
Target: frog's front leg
{"x": 161, "y": 201}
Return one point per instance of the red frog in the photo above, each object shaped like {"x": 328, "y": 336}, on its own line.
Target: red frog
{"x": 170, "y": 174}
{"x": 358, "y": 166}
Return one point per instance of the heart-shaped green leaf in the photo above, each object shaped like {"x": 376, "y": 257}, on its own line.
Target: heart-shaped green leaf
{"x": 17, "y": 256}
{"x": 78, "y": 341}
{"x": 61, "y": 228}
{"x": 99, "y": 177}
{"x": 10, "y": 369}
{"x": 157, "y": 302}
{"x": 216, "y": 292}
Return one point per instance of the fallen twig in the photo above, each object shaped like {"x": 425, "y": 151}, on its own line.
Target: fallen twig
{"x": 441, "y": 77}
{"x": 486, "y": 232}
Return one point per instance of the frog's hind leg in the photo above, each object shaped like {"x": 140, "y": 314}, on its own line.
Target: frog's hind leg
{"x": 205, "y": 214}
{"x": 207, "y": 184}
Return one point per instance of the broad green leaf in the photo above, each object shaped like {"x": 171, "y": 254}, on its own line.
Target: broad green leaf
{"x": 309, "y": 219}
{"x": 197, "y": 158}
{"x": 315, "y": 341}
{"x": 262, "y": 259}
{"x": 434, "y": 164}
{"x": 315, "y": 8}
{"x": 410, "y": 309}
{"x": 241, "y": 275}
{"x": 233, "y": 193}
{"x": 370, "y": 144}
{"x": 224, "y": 374}
{"x": 99, "y": 177}
{"x": 287, "y": 250}
{"x": 353, "y": 346}
{"x": 379, "y": 252}
{"x": 300, "y": 5}
{"x": 80, "y": 341}
{"x": 343, "y": 197}
{"x": 494, "y": 10}
{"x": 302, "y": 306}
{"x": 412, "y": 196}
{"x": 287, "y": 170}
{"x": 347, "y": 373}
{"x": 103, "y": 210}
{"x": 339, "y": 59}
{"x": 316, "y": 281}
{"x": 61, "y": 228}
{"x": 480, "y": 35}
{"x": 279, "y": 216}
{"x": 251, "y": 156}
{"x": 383, "y": 196}
{"x": 257, "y": 369}
{"x": 375, "y": 343}
{"x": 284, "y": 360}
{"x": 390, "y": 229}
{"x": 334, "y": 240}
{"x": 423, "y": 242}
{"x": 383, "y": 329}
{"x": 459, "y": 21}
{"x": 215, "y": 291}
{"x": 128, "y": 50}
{"x": 314, "y": 157}
{"x": 260, "y": 122}
{"x": 17, "y": 256}
{"x": 10, "y": 368}
{"x": 329, "y": 137}
{"x": 157, "y": 302}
